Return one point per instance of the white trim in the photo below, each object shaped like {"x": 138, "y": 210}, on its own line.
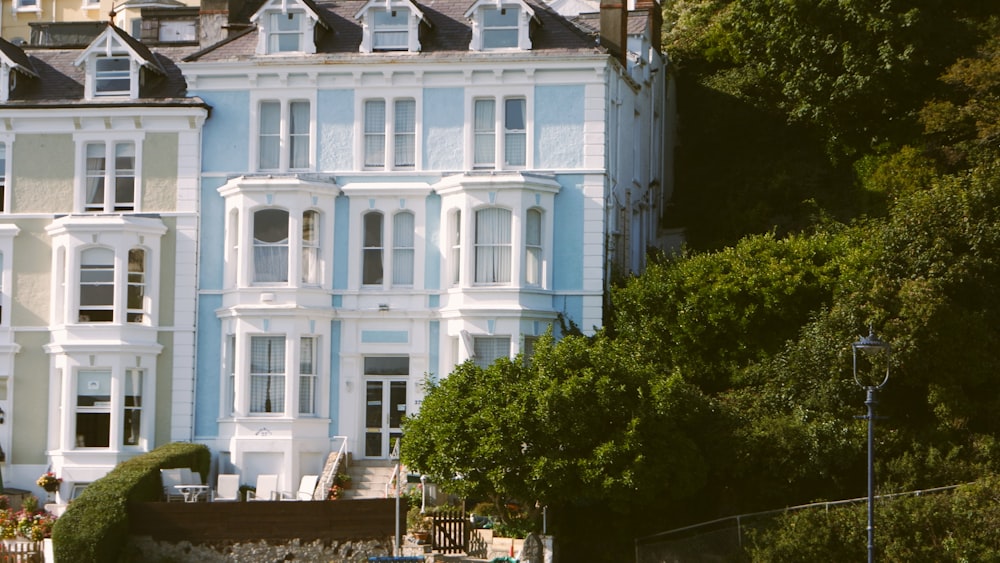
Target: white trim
{"x": 284, "y": 98}
{"x": 390, "y": 97}
{"x": 80, "y": 177}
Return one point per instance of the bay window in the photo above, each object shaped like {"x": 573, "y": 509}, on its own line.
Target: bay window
{"x": 493, "y": 246}
{"x": 371, "y": 268}
{"x": 310, "y": 247}
{"x": 307, "y": 375}
{"x": 132, "y": 415}
{"x": 533, "y": 247}
{"x": 402, "y": 249}
{"x": 97, "y": 285}
{"x": 270, "y": 246}
{"x": 267, "y": 374}
{"x": 488, "y": 349}
{"x": 93, "y": 409}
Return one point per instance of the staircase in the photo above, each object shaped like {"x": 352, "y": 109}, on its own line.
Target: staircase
{"x": 368, "y": 478}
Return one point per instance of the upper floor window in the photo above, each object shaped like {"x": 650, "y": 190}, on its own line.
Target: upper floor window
{"x": 286, "y": 33}
{"x": 371, "y": 268}
{"x": 270, "y": 246}
{"x": 3, "y": 177}
{"x": 500, "y": 137}
{"x": 533, "y": 247}
{"x": 396, "y": 136}
{"x": 456, "y": 247}
{"x": 112, "y": 75}
{"x": 501, "y": 25}
{"x": 402, "y": 249}
{"x": 27, "y": 5}
{"x": 285, "y": 26}
{"x": 97, "y": 285}
{"x": 284, "y": 135}
{"x": 310, "y": 247}
{"x": 390, "y": 25}
{"x": 111, "y": 187}
{"x": 390, "y": 30}
{"x": 493, "y": 246}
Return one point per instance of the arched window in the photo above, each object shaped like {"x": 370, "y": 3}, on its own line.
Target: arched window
{"x": 372, "y": 252}
{"x": 270, "y": 246}
{"x": 455, "y": 258}
{"x": 533, "y": 247}
{"x": 402, "y": 248}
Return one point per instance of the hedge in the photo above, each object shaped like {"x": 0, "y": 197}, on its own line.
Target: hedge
{"x": 94, "y": 527}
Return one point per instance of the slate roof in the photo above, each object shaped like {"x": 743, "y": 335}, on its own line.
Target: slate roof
{"x": 59, "y": 82}
{"x": 638, "y": 22}
{"x": 448, "y": 34}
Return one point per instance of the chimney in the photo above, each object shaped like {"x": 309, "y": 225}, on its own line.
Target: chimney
{"x": 655, "y": 12}
{"x": 214, "y": 20}
{"x": 614, "y": 18}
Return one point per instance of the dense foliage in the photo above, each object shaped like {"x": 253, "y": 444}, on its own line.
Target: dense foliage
{"x": 95, "y": 526}
{"x": 838, "y": 171}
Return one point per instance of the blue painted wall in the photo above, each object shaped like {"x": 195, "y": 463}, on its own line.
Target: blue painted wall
{"x": 341, "y": 241}
{"x": 434, "y": 342}
{"x": 213, "y": 234}
{"x": 335, "y": 129}
{"x": 567, "y": 238}
{"x": 226, "y": 135}
{"x": 443, "y": 128}
{"x": 207, "y": 386}
{"x": 558, "y": 122}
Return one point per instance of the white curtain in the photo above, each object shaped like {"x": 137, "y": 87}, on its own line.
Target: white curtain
{"x": 267, "y": 374}
{"x": 484, "y": 127}
{"x": 456, "y": 247}
{"x": 307, "y": 375}
{"x": 310, "y": 247}
{"x": 95, "y": 175}
{"x": 405, "y": 132}
{"x": 533, "y": 247}
{"x": 124, "y": 176}
{"x": 298, "y": 130}
{"x": 375, "y": 133}
{"x": 493, "y": 246}
{"x": 270, "y": 135}
{"x": 270, "y": 245}
{"x": 402, "y": 248}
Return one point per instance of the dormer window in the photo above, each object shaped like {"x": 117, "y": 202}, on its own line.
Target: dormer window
{"x": 501, "y": 25}
{"x": 500, "y": 28}
{"x": 287, "y": 32}
{"x": 112, "y": 76}
{"x": 286, "y": 26}
{"x": 114, "y": 63}
{"x": 390, "y": 26}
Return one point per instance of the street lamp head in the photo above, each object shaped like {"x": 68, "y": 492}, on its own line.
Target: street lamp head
{"x": 876, "y": 351}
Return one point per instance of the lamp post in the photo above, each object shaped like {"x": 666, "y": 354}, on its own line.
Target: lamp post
{"x": 870, "y": 346}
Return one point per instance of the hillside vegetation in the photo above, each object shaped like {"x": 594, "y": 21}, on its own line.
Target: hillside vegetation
{"x": 838, "y": 171}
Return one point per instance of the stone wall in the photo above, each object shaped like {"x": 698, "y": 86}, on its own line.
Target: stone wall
{"x": 145, "y": 549}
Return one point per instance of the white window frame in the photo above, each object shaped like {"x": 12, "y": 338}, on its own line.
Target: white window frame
{"x": 479, "y": 344}
{"x": 370, "y": 247}
{"x": 312, "y": 249}
{"x": 481, "y": 28}
{"x": 131, "y": 75}
{"x": 403, "y": 249}
{"x": 308, "y": 376}
{"x": 118, "y": 367}
{"x": 110, "y": 143}
{"x": 284, "y": 136}
{"x": 385, "y": 138}
{"x": 88, "y": 378}
{"x": 499, "y": 133}
{"x": 6, "y": 163}
{"x": 90, "y": 278}
{"x": 392, "y": 29}
{"x": 534, "y": 249}
{"x": 268, "y": 16}
{"x": 25, "y": 6}
{"x": 276, "y": 387}
{"x": 489, "y": 251}
{"x": 263, "y": 245}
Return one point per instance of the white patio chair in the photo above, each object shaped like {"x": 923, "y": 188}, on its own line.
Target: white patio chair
{"x": 267, "y": 488}
{"x": 227, "y": 488}
{"x": 306, "y": 487}
{"x": 170, "y": 478}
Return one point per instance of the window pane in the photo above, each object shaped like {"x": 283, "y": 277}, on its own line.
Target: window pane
{"x": 132, "y": 417}
{"x": 124, "y": 176}
{"x": 307, "y": 375}
{"x": 267, "y": 368}
{"x": 387, "y": 365}
{"x": 112, "y": 75}
{"x": 270, "y": 233}
{"x": 136, "y": 285}
{"x": 375, "y": 133}
{"x": 489, "y": 349}
{"x": 493, "y": 252}
{"x": 533, "y": 247}
{"x": 372, "y": 255}
{"x": 484, "y": 128}
{"x": 95, "y": 177}
{"x": 389, "y": 30}
{"x": 402, "y": 249}
{"x": 270, "y": 135}
{"x": 514, "y": 127}
{"x": 405, "y": 127}
{"x": 310, "y": 246}
{"x": 97, "y": 290}
{"x": 298, "y": 128}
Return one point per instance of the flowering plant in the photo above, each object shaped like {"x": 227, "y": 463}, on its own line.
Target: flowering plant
{"x": 28, "y": 523}
{"x": 335, "y": 492}
{"x": 49, "y": 482}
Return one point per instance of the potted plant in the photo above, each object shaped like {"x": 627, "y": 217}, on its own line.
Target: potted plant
{"x": 335, "y": 492}
{"x": 49, "y": 482}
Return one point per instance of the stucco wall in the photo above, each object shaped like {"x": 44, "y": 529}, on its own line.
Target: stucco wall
{"x": 32, "y": 275}
{"x": 159, "y": 172}
{"x": 168, "y": 271}
{"x": 164, "y": 396}
{"x": 559, "y": 126}
{"x": 42, "y": 174}
{"x": 335, "y": 134}
{"x": 30, "y": 412}
{"x": 226, "y": 135}
{"x": 443, "y": 128}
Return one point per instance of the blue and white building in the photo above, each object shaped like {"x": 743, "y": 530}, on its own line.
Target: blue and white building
{"x": 390, "y": 188}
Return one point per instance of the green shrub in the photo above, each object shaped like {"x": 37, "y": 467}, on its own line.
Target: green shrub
{"x": 95, "y": 526}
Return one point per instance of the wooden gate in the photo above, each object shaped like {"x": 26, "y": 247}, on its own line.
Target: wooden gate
{"x": 21, "y": 552}
{"x": 448, "y": 531}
